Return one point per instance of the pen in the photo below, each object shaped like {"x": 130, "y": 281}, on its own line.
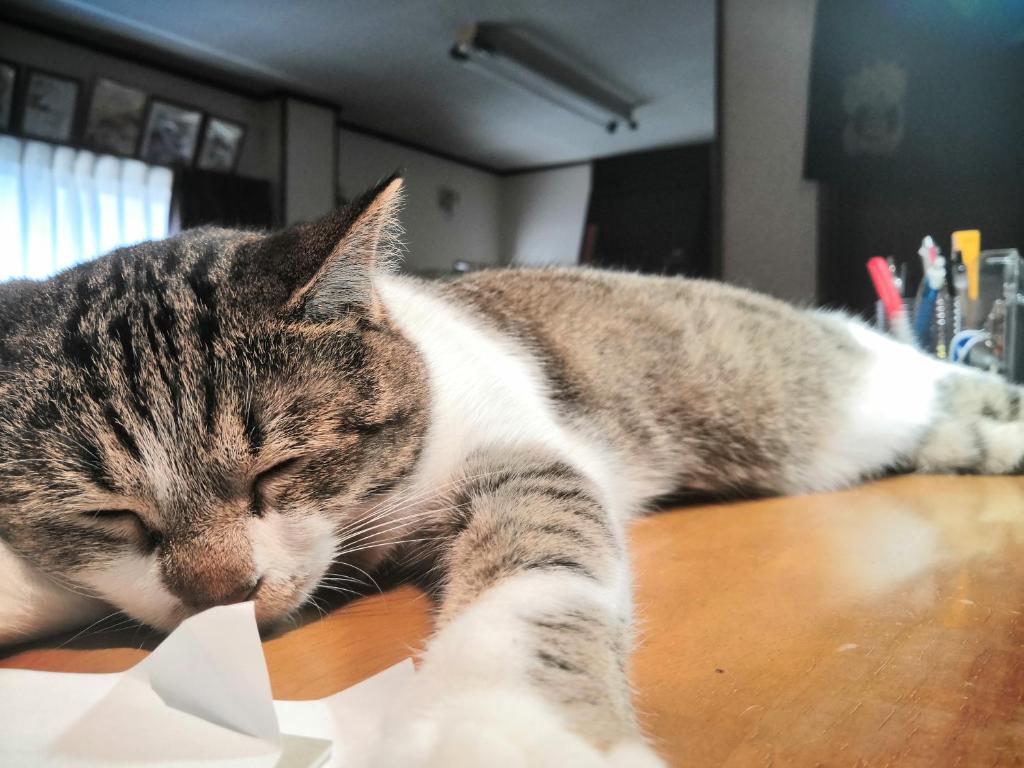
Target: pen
{"x": 968, "y": 242}
{"x": 885, "y": 287}
{"x": 957, "y": 281}
{"x": 898, "y": 276}
{"x": 934, "y": 278}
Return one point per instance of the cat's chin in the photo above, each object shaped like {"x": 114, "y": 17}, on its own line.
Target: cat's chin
{"x": 165, "y": 622}
{"x": 268, "y": 619}
{"x": 135, "y": 586}
{"x": 273, "y": 605}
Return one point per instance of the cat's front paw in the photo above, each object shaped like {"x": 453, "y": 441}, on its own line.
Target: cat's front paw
{"x": 498, "y": 729}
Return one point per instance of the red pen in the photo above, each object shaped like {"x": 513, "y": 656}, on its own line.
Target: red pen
{"x": 890, "y": 297}
{"x": 885, "y": 287}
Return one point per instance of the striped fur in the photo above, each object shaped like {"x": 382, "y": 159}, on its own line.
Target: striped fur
{"x": 224, "y": 416}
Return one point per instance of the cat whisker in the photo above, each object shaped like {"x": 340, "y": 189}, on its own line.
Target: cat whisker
{"x": 336, "y": 588}
{"x": 330, "y": 587}
{"x": 380, "y": 513}
{"x": 358, "y": 527}
{"x": 362, "y": 536}
{"x": 89, "y": 629}
{"x": 435, "y": 511}
{"x": 400, "y": 497}
{"x": 366, "y": 574}
{"x": 343, "y": 580}
{"x": 71, "y": 586}
{"x": 316, "y": 604}
{"x": 384, "y": 524}
{"x": 387, "y": 544}
{"x": 387, "y": 526}
{"x": 400, "y": 502}
{"x": 127, "y": 623}
{"x": 341, "y": 590}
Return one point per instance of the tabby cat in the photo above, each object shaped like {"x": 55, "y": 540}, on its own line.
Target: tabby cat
{"x": 226, "y": 416}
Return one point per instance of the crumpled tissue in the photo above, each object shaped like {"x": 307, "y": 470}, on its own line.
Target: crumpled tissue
{"x": 201, "y": 698}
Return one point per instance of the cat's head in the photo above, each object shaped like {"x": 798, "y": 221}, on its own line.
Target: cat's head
{"x": 198, "y": 420}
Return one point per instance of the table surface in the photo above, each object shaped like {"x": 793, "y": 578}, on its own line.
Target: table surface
{"x": 878, "y": 626}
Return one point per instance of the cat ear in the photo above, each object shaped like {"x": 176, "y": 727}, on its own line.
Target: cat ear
{"x": 344, "y": 251}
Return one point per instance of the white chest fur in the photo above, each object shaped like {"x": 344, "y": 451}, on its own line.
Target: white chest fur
{"x": 486, "y": 392}
{"x": 892, "y": 404}
{"x": 33, "y": 604}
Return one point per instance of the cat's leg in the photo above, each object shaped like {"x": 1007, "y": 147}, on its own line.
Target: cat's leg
{"x": 34, "y": 605}
{"x": 908, "y": 411}
{"x": 528, "y": 666}
{"x": 972, "y": 420}
{"x": 978, "y": 427}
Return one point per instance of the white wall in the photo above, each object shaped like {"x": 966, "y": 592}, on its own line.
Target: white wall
{"x": 769, "y": 212}
{"x": 309, "y": 128}
{"x": 309, "y": 160}
{"x": 543, "y": 215}
{"x": 260, "y": 150}
{"x": 434, "y": 239}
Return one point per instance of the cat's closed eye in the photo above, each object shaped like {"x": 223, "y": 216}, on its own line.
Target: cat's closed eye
{"x": 266, "y": 479}
{"x": 127, "y": 522}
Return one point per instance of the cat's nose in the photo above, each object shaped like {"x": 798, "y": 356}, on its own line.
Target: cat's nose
{"x": 239, "y": 593}
{"x": 243, "y": 594}
{"x": 211, "y": 565}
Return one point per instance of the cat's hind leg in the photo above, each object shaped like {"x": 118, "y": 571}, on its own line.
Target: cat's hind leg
{"x": 910, "y": 412}
{"x": 977, "y": 427}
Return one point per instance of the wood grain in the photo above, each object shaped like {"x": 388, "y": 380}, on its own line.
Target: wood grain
{"x": 874, "y": 627}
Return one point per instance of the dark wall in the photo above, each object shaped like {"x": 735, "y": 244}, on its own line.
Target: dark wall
{"x": 915, "y": 127}
{"x": 860, "y": 221}
{"x": 651, "y": 212}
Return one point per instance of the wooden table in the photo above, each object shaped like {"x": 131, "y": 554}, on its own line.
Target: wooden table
{"x": 879, "y": 626}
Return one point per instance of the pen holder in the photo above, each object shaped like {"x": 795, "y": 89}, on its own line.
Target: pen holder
{"x": 936, "y": 319}
{"x": 882, "y": 321}
{"x": 1013, "y": 300}
{"x": 986, "y": 331}
{"x": 997, "y": 313}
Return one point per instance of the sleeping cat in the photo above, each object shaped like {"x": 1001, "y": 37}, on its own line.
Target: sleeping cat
{"x": 227, "y": 416}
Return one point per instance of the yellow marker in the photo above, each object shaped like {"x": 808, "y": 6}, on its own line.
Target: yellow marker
{"x": 968, "y": 242}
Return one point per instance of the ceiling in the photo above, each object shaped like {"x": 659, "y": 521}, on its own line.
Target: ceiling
{"x": 386, "y": 65}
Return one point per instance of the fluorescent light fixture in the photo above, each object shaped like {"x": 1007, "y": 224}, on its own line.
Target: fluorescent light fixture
{"x": 499, "y": 51}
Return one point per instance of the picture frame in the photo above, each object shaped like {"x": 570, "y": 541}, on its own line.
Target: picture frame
{"x": 49, "y": 104}
{"x": 8, "y": 85}
{"x": 114, "y": 121}
{"x": 170, "y": 133}
{"x": 221, "y": 146}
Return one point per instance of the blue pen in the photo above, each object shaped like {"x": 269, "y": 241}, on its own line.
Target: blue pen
{"x": 923, "y": 321}
{"x": 934, "y": 278}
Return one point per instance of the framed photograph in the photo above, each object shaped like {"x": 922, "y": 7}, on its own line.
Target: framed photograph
{"x": 114, "y": 121}
{"x": 48, "y": 106}
{"x": 171, "y": 133}
{"x": 222, "y": 144}
{"x": 8, "y": 79}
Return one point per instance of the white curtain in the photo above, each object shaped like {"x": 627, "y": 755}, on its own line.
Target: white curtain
{"x": 60, "y": 206}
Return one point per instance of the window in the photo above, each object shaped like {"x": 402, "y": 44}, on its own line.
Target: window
{"x": 60, "y": 206}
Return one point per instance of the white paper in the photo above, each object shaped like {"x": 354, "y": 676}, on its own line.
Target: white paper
{"x": 351, "y": 719}
{"x": 201, "y": 698}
